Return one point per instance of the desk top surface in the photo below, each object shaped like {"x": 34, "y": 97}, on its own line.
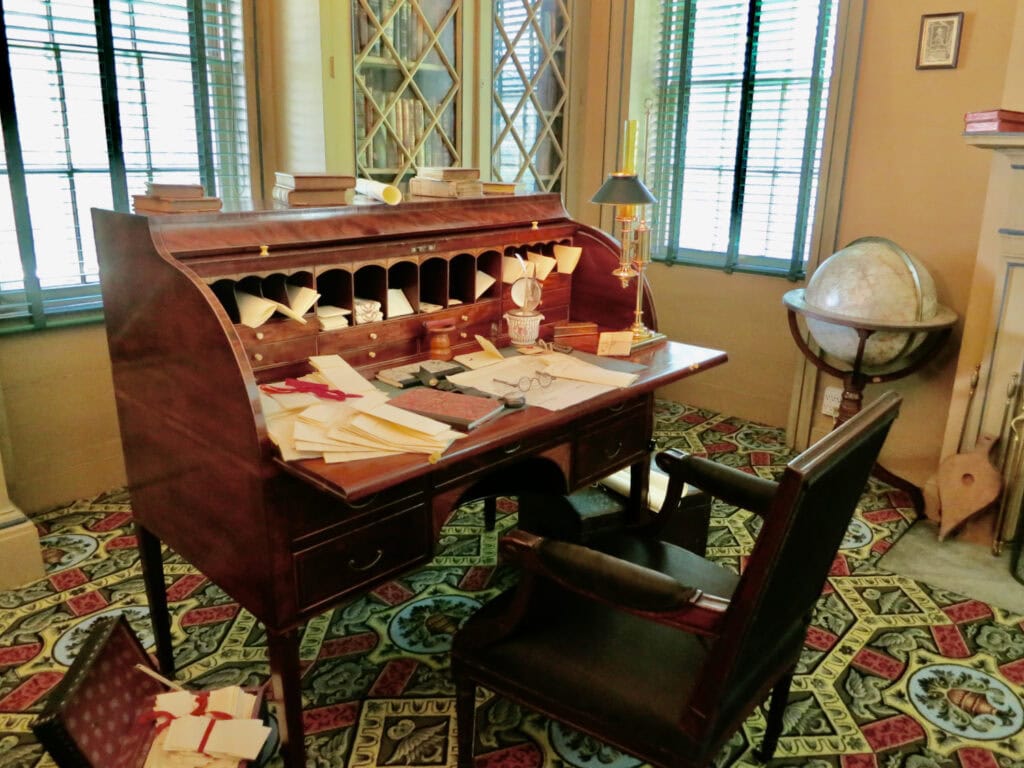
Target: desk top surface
{"x": 663, "y": 364}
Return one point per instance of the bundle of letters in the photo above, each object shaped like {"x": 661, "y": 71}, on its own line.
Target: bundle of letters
{"x": 210, "y": 729}
{"x": 367, "y": 311}
{"x": 337, "y": 415}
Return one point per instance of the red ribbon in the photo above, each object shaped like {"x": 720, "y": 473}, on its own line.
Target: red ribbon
{"x": 160, "y": 717}
{"x": 297, "y": 385}
{"x": 202, "y": 700}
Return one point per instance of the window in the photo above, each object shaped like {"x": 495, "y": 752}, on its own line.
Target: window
{"x": 737, "y": 145}
{"x": 97, "y": 97}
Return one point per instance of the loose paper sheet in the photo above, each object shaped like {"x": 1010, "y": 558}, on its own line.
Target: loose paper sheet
{"x": 488, "y": 355}
{"x": 562, "y": 393}
{"x": 616, "y": 343}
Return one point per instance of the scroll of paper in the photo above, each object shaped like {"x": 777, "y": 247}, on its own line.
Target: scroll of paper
{"x": 386, "y": 193}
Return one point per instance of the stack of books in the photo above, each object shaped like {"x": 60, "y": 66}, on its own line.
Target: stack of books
{"x": 446, "y": 182}
{"x": 994, "y": 121}
{"x": 175, "y": 198}
{"x": 313, "y": 188}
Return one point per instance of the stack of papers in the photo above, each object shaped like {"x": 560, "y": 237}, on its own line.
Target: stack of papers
{"x": 305, "y": 426}
{"x": 572, "y": 380}
{"x": 213, "y": 729}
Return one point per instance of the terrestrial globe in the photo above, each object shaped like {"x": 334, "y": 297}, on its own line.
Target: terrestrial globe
{"x": 872, "y": 282}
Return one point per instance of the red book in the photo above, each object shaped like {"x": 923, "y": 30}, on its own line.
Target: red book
{"x": 455, "y": 408}
{"x": 989, "y": 115}
{"x": 999, "y": 126}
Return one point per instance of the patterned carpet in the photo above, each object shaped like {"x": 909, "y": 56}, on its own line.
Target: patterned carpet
{"x": 894, "y": 673}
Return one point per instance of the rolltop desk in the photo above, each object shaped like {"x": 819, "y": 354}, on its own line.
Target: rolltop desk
{"x": 289, "y": 540}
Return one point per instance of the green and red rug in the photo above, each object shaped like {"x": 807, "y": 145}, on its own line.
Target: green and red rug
{"x": 895, "y": 674}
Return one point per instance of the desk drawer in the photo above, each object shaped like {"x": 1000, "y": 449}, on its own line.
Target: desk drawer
{"x": 614, "y": 442}
{"x": 363, "y": 555}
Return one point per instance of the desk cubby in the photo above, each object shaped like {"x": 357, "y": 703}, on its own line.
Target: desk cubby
{"x": 448, "y": 280}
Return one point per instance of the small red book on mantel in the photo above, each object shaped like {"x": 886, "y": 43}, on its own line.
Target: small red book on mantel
{"x": 994, "y": 120}
{"x": 455, "y": 408}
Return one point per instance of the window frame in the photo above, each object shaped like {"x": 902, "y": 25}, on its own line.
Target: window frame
{"x": 812, "y": 187}
{"x": 65, "y": 305}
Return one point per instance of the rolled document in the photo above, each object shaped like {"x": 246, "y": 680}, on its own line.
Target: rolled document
{"x": 379, "y": 191}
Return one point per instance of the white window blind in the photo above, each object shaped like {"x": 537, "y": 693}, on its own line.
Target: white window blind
{"x": 97, "y": 97}
{"x": 736, "y": 148}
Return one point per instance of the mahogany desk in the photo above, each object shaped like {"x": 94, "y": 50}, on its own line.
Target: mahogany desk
{"x": 291, "y": 540}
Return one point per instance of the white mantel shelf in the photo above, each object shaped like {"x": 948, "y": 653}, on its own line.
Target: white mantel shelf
{"x": 1004, "y": 141}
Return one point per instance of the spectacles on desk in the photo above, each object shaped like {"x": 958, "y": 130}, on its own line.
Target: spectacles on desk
{"x": 525, "y": 383}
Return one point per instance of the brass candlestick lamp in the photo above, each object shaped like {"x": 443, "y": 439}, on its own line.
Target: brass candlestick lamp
{"x": 630, "y": 195}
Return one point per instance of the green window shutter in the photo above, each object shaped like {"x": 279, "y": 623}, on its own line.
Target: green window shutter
{"x": 737, "y": 142}
{"x": 98, "y": 97}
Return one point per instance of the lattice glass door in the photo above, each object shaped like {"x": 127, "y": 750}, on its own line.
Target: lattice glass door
{"x": 407, "y": 85}
{"x": 530, "y": 96}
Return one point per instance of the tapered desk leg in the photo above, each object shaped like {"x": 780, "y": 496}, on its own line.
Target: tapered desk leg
{"x": 152, "y": 561}
{"x": 283, "y": 649}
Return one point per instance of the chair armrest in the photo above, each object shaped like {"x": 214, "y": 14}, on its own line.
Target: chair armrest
{"x": 620, "y": 583}
{"x": 731, "y": 485}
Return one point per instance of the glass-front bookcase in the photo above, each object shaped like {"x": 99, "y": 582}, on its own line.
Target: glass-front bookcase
{"x": 408, "y": 85}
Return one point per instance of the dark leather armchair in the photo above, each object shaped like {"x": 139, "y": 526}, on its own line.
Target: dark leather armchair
{"x": 652, "y": 648}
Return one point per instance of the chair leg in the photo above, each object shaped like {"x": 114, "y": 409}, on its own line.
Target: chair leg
{"x": 465, "y": 719}
{"x": 490, "y": 512}
{"x": 773, "y": 725}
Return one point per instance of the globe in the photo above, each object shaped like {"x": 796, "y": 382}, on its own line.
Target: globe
{"x": 872, "y": 281}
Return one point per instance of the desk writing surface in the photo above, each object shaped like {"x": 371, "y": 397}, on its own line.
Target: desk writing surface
{"x": 354, "y": 481}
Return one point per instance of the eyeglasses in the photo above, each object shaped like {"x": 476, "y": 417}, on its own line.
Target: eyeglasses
{"x": 525, "y": 383}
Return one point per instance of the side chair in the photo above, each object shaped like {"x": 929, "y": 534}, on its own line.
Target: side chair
{"x": 652, "y": 648}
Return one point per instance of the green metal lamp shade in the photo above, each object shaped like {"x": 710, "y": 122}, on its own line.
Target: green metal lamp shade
{"x": 623, "y": 189}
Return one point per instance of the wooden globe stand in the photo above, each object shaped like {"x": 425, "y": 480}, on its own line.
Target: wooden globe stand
{"x": 855, "y": 378}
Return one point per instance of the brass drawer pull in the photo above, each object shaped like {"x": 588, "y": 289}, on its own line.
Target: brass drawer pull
{"x": 514, "y": 448}
{"x": 364, "y": 503}
{"x": 373, "y": 335}
{"x": 369, "y": 565}
{"x": 617, "y": 408}
{"x": 611, "y": 454}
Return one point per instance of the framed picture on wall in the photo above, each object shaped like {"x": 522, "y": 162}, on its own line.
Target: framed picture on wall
{"x": 939, "y": 43}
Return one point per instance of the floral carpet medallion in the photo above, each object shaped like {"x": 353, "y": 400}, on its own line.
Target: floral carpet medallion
{"x": 894, "y": 674}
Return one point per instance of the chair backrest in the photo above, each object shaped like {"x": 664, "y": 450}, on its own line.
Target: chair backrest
{"x": 766, "y": 623}
{"x": 92, "y": 719}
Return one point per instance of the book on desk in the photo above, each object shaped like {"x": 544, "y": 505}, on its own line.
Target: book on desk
{"x": 455, "y": 408}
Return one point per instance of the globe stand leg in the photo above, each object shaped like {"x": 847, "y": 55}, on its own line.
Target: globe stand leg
{"x": 854, "y": 380}
{"x": 850, "y": 405}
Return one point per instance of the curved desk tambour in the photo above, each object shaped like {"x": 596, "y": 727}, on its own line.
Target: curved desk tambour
{"x": 857, "y": 376}
{"x": 288, "y": 541}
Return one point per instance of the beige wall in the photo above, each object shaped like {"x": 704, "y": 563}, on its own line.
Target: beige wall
{"x": 63, "y": 440}
{"x": 910, "y": 177}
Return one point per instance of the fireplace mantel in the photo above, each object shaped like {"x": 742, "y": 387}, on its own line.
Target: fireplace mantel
{"x": 993, "y": 335}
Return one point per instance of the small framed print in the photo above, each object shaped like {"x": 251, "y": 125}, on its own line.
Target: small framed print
{"x": 939, "y": 44}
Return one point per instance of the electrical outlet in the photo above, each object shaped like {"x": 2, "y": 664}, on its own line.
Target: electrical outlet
{"x": 830, "y": 402}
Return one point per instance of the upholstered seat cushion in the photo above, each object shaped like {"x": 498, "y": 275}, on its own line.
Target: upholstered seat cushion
{"x": 613, "y": 664}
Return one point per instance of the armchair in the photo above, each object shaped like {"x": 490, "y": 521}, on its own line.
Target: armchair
{"x": 652, "y": 648}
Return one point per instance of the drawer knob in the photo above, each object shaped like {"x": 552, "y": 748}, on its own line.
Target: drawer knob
{"x": 464, "y": 335}
{"x": 367, "y": 566}
{"x": 373, "y": 336}
{"x": 259, "y": 335}
{"x": 258, "y": 357}
{"x": 465, "y": 318}
{"x": 372, "y": 355}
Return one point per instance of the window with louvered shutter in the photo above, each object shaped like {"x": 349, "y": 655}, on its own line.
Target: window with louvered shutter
{"x": 97, "y": 98}
{"x": 737, "y": 143}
